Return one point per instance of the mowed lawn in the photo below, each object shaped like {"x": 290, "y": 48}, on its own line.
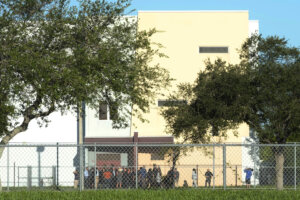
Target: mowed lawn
{"x": 152, "y": 194}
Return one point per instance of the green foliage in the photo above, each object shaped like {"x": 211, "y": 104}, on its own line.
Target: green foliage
{"x": 262, "y": 91}
{"x": 54, "y": 56}
{"x": 184, "y": 194}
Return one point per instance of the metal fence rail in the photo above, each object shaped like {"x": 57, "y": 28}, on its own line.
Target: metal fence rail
{"x": 106, "y": 166}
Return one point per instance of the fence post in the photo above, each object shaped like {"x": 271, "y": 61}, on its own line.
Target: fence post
{"x": 29, "y": 177}
{"x": 14, "y": 174}
{"x": 197, "y": 170}
{"x": 81, "y": 167}
{"x": 95, "y": 167}
{"x": 295, "y": 166}
{"x": 57, "y": 165}
{"x": 18, "y": 176}
{"x": 214, "y": 166}
{"x": 39, "y": 170}
{"x": 236, "y": 168}
{"x": 255, "y": 156}
{"x": 136, "y": 166}
{"x": 54, "y": 175}
{"x": 7, "y": 186}
{"x": 224, "y": 166}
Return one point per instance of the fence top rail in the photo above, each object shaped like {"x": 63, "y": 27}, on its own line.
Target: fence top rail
{"x": 151, "y": 145}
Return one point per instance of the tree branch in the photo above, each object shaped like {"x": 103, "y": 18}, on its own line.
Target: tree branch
{"x": 28, "y": 116}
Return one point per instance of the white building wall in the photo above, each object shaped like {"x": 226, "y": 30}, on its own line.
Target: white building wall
{"x": 253, "y": 27}
{"x": 61, "y": 129}
{"x": 249, "y": 159}
{"x": 101, "y": 128}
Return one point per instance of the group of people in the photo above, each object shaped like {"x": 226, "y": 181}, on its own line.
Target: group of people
{"x": 117, "y": 177}
{"x": 106, "y": 177}
{"x": 208, "y": 175}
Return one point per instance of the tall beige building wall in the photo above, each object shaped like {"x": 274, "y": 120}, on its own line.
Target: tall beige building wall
{"x": 182, "y": 33}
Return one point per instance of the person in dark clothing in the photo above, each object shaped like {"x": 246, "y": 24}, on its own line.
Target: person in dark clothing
{"x": 132, "y": 178}
{"x": 101, "y": 178}
{"x": 155, "y": 172}
{"x": 185, "y": 184}
{"x": 124, "y": 178}
{"x": 114, "y": 178}
{"x": 129, "y": 181}
{"x": 169, "y": 179}
{"x": 91, "y": 178}
{"x": 142, "y": 173}
{"x": 150, "y": 178}
{"x": 76, "y": 179}
{"x": 208, "y": 176}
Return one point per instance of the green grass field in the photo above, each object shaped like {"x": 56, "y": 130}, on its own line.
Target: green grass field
{"x": 190, "y": 194}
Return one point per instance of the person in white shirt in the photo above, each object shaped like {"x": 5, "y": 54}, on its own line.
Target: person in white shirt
{"x": 86, "y": 177}
{"x": 97, "y": 177}
{"x": 194, "y": 177}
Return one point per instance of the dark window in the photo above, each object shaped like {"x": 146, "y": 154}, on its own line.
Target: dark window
{"x": 213, "y": 49}
{"x": 157, "y": 156}
{"x": 113, "y": 112}
{"x": 170, "y": 102}
{"x": 103, "y": 111}
{"x": 105, "y": 157}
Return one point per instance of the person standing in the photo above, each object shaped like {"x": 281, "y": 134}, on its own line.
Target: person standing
{"x": 142, "y": 177}
{"x": 101, "y": 178}
{"x": 149, "y": 178}
{"x": 114, "y": 177}
{"x": 176, "y": 177}
{"x": 91, "y": 178}
{"x": 194, "y": 177}
{"x": 158, "y": 177}
{"x": 86, "y": 177}
{"x": 155, "y": 172}
{"x": 125, "y": 178}
{"x": 97, "y": 173}
{"x": 76, "y": 178}
{"x": 248, "y": 172}
{"x": 132, "y": 178}
{"x": 107, "y": 175}
{"x": 119, "y": 178}
{"x": 169, "y": 180}
{"x": 208, "y": 176}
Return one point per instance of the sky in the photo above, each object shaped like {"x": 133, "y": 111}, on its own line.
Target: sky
{"x": 276, "y": 17}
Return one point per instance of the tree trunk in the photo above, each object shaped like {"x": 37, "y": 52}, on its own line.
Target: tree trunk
{"x": 28, "y": 116}
{"x": 279, "y": 158}
{"x": 1, "y": 152}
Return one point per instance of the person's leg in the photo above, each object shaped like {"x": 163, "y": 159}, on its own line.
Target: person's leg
{"x": 97, "y": 182}
{"x": 76, "y": 184}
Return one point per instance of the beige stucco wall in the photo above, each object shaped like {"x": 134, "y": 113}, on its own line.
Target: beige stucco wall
{"x": 181, "y": 34}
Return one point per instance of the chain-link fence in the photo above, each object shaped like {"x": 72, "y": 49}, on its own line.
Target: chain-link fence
{"x": 149, "y": 166}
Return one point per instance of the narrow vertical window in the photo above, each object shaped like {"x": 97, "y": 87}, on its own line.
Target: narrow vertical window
{"x": 103, "y": 111}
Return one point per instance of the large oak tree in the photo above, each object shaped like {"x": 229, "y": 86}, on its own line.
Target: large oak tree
{"x": 54, "y": 56}
{"x": 263, "y": 90}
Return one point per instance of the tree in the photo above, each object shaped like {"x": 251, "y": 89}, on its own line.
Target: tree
{"x": 262, "y": 91}
{"x": 54, "y": 56}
